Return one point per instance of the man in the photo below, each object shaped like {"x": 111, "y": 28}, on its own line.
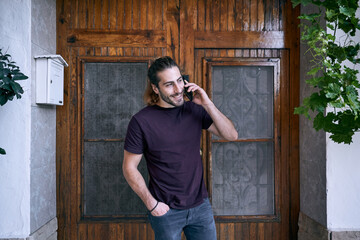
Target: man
{"x": 168, "y": 133}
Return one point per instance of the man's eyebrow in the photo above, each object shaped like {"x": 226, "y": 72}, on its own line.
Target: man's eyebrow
{"x": 172, "y": 81}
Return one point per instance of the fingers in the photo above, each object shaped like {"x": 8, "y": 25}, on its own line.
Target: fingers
{"x": 192, "y": 87}
{"x": 160, "y": 210}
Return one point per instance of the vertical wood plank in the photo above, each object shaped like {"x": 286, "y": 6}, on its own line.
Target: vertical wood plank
{"x": 253, "y": 15}
{"x": 231, "y": 15}
{"x": 159, "y": 14}
{"x": 63, "y": 170}
{"x": 75, "y": 14}
{"x": 261, "y": 16}
{"x": 97, "y": 14}
{"x": 143, "y": 14}
{"x": 105, "y": 23}
{"x": 112, "y": 14}
{"x": 275, "y": 15}
{"x": 223, "y": 15}
{"x": 83, "y": 14}
{"x": 149, "y": 232}
{"x": 187, "y": 38}
{"x": 292, "y": 32}
{"x": 216, "y": 15}
{"x": 74, "y": 142}
{"x": 246, "y": 15}
{"x": 239, "y": 15}
{"x": 281, "y": 14}
{"x": 231, "y": 53}
{"x": 268, "y": 14}
{"x": 136, "y": 14}
{"x": 112, "y": 51}
{"x": 208, "y": 15}
{"x": 151, "y": 14}
{"x": 172, "y": 30}
{"x": 201, "y": 8}
{"x": 128, "y": 14}
{"x": 90, "y": 14}
{"x": 120, "y": 14}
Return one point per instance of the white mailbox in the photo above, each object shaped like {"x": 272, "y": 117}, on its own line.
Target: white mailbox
{"x": 50, "y": 79}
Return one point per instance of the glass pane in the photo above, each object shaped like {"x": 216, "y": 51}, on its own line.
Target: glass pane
{"x": 113, "y": 93}
{"x": 242, "y": 172}
{"x": 106, "y": 190}
{"x": 243, "y": 178}
{"x": 245, "y": 95}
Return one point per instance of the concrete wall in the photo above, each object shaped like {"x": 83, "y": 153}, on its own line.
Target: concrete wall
{"x": 312, "y": 151}
{"x": 43, "y": 121}
{"x": 15, "y": 30}
{"x": 27, "y": 130}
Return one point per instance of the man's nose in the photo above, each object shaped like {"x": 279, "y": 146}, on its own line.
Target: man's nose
{"x": 178, "y": 87}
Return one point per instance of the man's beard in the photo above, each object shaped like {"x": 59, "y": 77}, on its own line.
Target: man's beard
{"x": 168, "y": 99}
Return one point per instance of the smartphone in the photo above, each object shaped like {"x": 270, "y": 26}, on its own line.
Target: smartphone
{"x": 189, "y": 95}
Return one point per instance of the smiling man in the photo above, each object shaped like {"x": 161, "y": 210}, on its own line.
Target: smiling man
{"x": 168, "y": 132}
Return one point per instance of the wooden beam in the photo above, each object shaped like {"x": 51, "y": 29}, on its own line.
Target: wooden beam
{"x": 239, "y": 39}
{"x": 122, "y": 38}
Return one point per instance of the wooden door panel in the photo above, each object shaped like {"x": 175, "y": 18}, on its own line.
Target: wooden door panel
{"x": 192, "y": 32}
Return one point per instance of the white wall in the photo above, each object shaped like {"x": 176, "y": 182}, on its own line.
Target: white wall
{"x": 343, "y": 179}
{"x": 343, "y": 185}
{"x": 15, "y": 34}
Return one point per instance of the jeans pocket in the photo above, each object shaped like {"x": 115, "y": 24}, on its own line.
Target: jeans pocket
{"x": 166, "y": 214}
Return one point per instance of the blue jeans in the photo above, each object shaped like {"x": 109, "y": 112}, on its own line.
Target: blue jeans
{"x": 197, "y": 223}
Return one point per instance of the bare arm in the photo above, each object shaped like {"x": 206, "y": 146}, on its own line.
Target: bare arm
{"x": 222, "y": 126}
{"x": 137, "y": 183}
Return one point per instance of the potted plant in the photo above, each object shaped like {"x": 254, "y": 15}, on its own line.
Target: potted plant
{"x": 9, "y": 73}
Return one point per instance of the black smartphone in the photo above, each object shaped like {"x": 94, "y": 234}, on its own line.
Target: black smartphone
{"x": 189, "y": 95}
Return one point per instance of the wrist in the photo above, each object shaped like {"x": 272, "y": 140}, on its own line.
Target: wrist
{"x": 157, "y": 203}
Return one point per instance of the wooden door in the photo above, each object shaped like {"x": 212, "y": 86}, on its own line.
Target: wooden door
{"x": 245, "y": 53}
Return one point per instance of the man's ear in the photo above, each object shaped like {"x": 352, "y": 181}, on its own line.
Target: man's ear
{"x": 154, "y": 88}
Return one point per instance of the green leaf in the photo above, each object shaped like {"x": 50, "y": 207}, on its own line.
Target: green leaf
{"x": 313, "y": 71}
{"x": 6, "y": 87}
{"x": 310, "y": 17}
{"x": 2, "y": 151}
{"x": 20, "y": 76}
{"x": 347, "y": 11}
{"x": 16, "y": 87}
{"x": 318, "y": 102}
{"x": 303, "y": 2}
{"x": 302, "y": 110}
{"x": 3, "y": 100}
{"x": 333, "y": 91}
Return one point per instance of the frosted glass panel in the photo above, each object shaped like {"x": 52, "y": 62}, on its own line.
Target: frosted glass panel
{"x": 243, "y": 172}
{"x": 245, "y": 95}
{"x": 113, "y": 94}
{"x": 243, "y": 178}
{"x": 106, "y": 190}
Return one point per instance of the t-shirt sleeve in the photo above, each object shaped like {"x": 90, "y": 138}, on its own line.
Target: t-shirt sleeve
{"x": 134, "y": 141}
{"x": 206, "y": 119}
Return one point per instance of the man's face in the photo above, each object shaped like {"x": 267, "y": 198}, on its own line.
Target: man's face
{"x": 171, "y": 88}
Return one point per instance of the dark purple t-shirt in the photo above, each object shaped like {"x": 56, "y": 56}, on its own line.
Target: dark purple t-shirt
{"x": 169, "y": 138}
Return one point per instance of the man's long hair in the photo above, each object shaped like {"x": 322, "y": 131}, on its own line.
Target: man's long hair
{"x": 159, "y": 65}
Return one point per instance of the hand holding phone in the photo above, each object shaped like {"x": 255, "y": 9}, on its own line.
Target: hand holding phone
{"x": 189, "y": 95}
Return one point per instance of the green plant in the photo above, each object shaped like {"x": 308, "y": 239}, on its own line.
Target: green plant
{"x": 9, "y": 73}
{"x": 336, "y": 85}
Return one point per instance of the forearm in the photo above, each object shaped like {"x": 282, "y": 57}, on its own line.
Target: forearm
{"x": 224, "y": 126}
{"x": 137, "y": 183}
